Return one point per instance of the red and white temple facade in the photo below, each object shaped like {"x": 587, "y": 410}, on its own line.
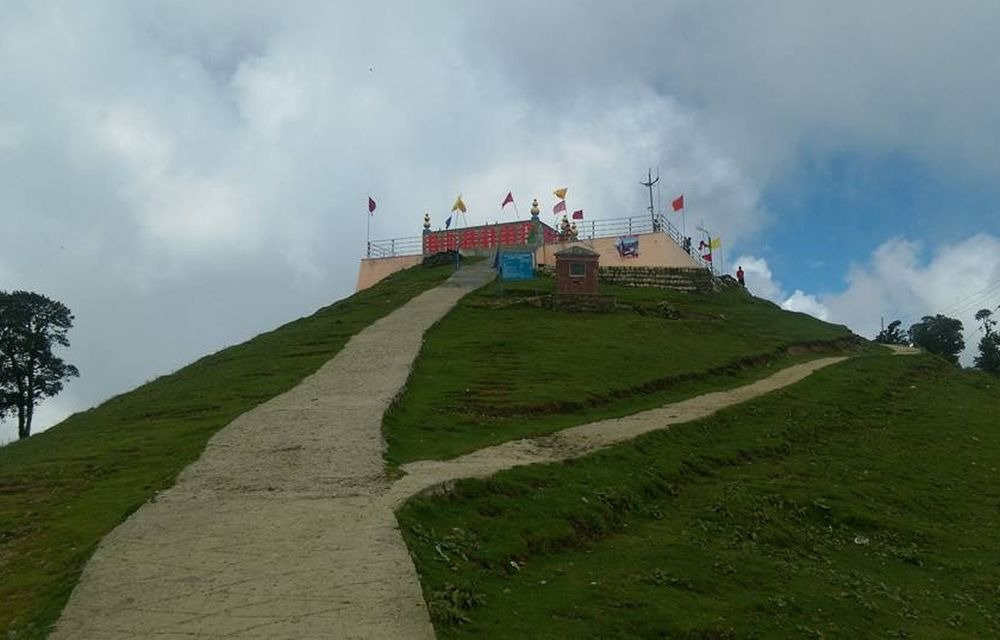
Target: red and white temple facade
{"x": 658, "y": 244}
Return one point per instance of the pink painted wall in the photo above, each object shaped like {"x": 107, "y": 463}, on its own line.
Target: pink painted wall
{"x": 655, "y": 250}
{"x": 373, "y": 270}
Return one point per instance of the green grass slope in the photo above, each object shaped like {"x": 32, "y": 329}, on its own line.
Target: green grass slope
{"x": 495, "y": 370}
{"x": 62, "y": 490}
{"x": 861, "y": 502}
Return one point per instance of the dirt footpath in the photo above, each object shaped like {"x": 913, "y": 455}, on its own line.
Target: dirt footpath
{"x": 278, "y": 530}
{"x": 587, "y": 438}
{"x": 284, "y": 528}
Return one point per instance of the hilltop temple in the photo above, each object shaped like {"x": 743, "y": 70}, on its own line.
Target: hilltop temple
{"x": 647, "y": 243}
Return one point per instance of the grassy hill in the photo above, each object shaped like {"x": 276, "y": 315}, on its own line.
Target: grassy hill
{"x": 740, "y": 525}
{"x": 861, "y": 502}
{"x": 62, "y": 490}
{"x": 496, "y": 369}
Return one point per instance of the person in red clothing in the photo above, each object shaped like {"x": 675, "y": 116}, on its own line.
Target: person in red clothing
{"x": 739, "y": 276}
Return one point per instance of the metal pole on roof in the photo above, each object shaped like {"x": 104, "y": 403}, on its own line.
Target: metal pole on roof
{"x": 649, "y": 185}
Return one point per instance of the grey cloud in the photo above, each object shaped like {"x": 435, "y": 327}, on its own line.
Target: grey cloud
{"x": 184, "y": 175}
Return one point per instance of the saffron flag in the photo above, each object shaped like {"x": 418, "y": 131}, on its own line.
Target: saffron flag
{"x": 560, "y": 207}
{"x": 459, "y": 205}
{"x": 508, "y": 200}
{"x": 578, "y": 215}
{"x": 560, "y": 193}
{"x": 371, "y": 205}
{"x": 678, "y": 203}
{"x": 447, "y": 223}
{"x": 715, "y": 243}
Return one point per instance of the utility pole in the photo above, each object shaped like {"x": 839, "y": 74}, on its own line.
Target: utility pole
{"x": 649, "y": 185}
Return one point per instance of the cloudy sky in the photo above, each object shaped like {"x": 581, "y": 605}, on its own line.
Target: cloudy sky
{"x": 184, "y": 175}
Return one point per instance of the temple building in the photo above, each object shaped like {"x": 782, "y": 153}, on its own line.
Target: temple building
{"x": 630, "y": 242}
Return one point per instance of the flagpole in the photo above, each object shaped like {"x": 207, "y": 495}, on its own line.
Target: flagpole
{"x": 659, "y": 206}
{"x": 684, "y": 218}
{"x": 368, "y": 236}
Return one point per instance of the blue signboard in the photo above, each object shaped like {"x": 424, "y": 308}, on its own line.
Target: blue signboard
{"x": 517, "y": 265}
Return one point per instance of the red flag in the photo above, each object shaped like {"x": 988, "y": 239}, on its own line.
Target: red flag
{"x": 371, "y": 205}
{"x": 678, "y": 203}
{"x": 578, "y": 215}
{"x": 560, "y": 207}
{"x": 707, "y": 257}
{"x": 508, "y": 200}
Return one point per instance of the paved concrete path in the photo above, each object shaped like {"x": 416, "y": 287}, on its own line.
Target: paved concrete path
{"x": 278, "y": 530}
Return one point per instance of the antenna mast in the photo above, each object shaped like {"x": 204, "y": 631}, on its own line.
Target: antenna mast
{"x": 649, "y": 185}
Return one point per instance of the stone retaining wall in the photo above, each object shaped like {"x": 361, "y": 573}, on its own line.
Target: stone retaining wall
{"x": 663, "y": 277}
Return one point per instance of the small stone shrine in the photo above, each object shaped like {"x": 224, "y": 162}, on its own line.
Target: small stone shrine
{"x": 576, "y": 270}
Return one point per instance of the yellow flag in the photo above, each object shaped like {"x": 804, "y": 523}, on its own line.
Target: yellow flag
{"x": 716, "y": 243}
{"x": 459, "y": 205}
{"x": 560, "y": 193}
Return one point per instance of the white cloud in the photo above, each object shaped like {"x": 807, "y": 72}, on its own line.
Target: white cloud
{"x": 758, "y": 277}
{"x": 805, "y": 303}
{"x": 761, "y": 283}
{"x": 900, "y": 283}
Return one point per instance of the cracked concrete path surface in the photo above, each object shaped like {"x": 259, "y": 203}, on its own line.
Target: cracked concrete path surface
{"x": 278, "y": 529}
{"x": 285, "y": 527}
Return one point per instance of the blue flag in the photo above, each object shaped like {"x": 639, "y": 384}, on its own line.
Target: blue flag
{"x": 447, "y": 223}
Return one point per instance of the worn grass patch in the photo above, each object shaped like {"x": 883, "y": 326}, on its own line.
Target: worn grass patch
{"x": 489, "y": 373}
{"x": 62, "y": 490}
{"x": 860, "y": 502}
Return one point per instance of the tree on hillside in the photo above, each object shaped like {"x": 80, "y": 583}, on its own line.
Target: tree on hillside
{"x": 30, "y": 325}
{"x": 892, "y": 334}
{"x": 988, "y": 359}
{"x": 940, "y": 335}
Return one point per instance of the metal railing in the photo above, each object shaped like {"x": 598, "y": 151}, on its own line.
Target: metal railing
{"x": 414, "y": 245}
{"x": 628, "y": 226}
{"x": 668, "y": 227}
{"x": 615, "y": 227}
{"x": 634, "y": 225}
